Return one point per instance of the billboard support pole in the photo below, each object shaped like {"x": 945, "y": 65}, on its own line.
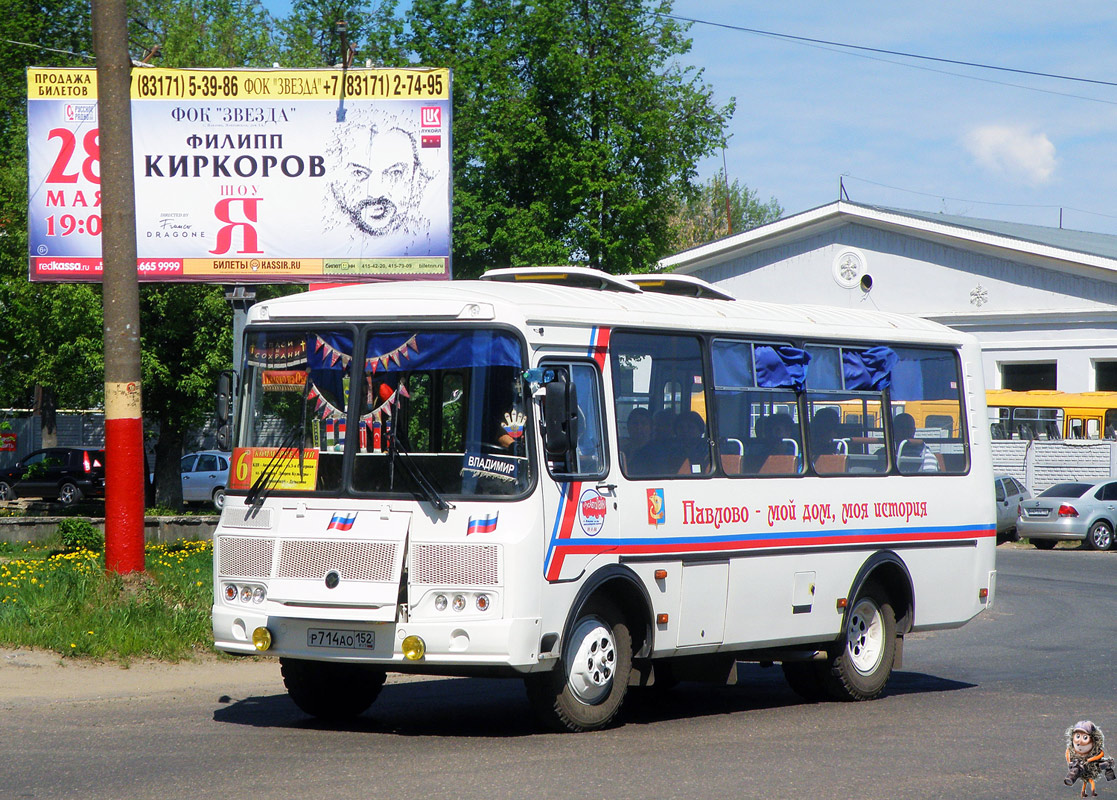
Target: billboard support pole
{"x": 124, "y": 453}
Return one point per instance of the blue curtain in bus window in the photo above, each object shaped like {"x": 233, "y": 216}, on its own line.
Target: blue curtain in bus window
{"x": 871, "y": 369}
{"x": 825, "y": 369}
{"x": 428, "y": 350}
{"x": 782, "y": 367}
{"x": 327, "y": 359}
{"x": 732, "y": 365}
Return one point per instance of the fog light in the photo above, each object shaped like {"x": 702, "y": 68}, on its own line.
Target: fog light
{"x": 245, "y": 594}
{"x": 261, "y": 639}
{"x": 414, "y": 648}
{"x": 459, "y": 602}
{"x": 230, "y": 592}
{"x": 258, "y": 594}
{"x": 440, "y": 602}
{"x": 482, "y": 602}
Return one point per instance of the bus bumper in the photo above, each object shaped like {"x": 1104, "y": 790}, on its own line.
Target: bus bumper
{"x": 501, "y": 642}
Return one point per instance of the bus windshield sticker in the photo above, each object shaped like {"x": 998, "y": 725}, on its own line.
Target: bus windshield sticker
{"x": 501, "y": 468}
{"x": 591, "y": 511}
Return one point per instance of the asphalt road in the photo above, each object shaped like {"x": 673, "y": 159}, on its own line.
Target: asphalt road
{"x": 974, "y": 713}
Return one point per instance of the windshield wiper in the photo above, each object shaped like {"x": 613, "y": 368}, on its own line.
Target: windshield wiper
{"x": 272, "y": 470}
{"x": 425, "y": 488}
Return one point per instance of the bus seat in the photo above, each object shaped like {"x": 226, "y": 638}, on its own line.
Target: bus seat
{"x": 731, "y": 463}
{"x": 942, "y": 462}
{"x": 778, "y": 465}
{"x": 684, "y": 468}
{"x": 830, "y": 464}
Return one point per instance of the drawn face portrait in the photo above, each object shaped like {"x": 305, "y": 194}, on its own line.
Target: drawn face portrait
{"x": 377, "y": 185}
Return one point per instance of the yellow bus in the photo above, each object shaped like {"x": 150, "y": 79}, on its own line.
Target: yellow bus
{"x": 1045, "y": 414}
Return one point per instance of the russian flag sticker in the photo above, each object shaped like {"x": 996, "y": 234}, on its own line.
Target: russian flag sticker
{"x": 482, "y": 524}
{"x": 342, "y": 522}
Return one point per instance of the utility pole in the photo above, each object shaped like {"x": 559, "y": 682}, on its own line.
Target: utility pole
{"x": 124, "y": 451}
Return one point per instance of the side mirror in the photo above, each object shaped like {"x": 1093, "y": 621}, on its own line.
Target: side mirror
{"x": 226, "y": 391}
{"x": 560, "y": 417}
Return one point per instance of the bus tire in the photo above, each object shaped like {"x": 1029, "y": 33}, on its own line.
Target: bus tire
{"x": 861, "y": 668}
{"x": 806, "y": 679}
{"x": 585, "y": 690}
{"x": 330, "y": 690}
{"x": 1100, "y": 536}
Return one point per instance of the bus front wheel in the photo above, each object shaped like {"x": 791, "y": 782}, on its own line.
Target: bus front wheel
{"x": 861, "y": 668}
{"x": 585, "y": 691}
{"x": 329, "y": 690}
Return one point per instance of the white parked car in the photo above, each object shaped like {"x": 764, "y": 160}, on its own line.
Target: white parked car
{"x": 1009, "y": 492}
{"x": 204, "y": 477}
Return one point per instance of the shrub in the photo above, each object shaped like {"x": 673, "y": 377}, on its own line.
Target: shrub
{"x": 81, "y": 534}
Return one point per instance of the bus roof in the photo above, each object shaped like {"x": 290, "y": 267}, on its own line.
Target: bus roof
{"x": 534, "y": 303}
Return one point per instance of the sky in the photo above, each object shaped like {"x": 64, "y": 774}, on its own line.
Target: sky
{"x": 911, "y": 133}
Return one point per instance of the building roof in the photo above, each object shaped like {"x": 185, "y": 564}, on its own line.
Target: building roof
{"x": 1076, "y": 247}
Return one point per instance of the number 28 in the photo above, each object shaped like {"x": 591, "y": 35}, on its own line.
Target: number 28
{"x": 90, "y": 166}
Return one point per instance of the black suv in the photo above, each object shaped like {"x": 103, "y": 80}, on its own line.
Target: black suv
{"x": 68, "y": 473}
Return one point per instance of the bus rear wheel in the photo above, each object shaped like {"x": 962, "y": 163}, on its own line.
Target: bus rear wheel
{"x": 329, "y": 690}
{"x": 861, "y": 668}
{"x": 585, "y": 690}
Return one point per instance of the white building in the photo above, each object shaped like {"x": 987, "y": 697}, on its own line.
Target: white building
{"x": 1042, "y": 301}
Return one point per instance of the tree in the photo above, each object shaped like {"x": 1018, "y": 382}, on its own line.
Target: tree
{"x": 310, "y": 37}
{"x": 700, "y": 216}
{"x": 50, "y": 334}
{"x": 574, "y": 127}
{"x": 202, "y": 33}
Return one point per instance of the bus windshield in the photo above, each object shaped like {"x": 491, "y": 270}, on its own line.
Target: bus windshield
{"x": 423, "y": 412}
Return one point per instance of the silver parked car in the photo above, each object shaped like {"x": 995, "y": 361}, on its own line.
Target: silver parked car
{"x": 204, "y": 477}
{"x": 1071, "y": 511}
{"x": 1008, "y": 492}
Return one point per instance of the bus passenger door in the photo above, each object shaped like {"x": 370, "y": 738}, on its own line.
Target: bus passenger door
{"x": 580, "y": 501}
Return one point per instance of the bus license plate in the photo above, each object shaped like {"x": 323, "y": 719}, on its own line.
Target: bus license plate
{"x": 329, "y": 637}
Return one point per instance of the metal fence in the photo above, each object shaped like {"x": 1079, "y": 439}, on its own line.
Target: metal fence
{"x": 1040, "y": 464}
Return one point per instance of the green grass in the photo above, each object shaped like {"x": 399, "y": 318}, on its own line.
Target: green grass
{"x": 66, "y": 602}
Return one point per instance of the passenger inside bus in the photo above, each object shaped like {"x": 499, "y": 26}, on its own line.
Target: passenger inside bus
{"x": 824, "y": 432}
{"x": 912, "y": 455}
{"x": 639, "y": 432}
{"x": 778, "y": 445}
{"x": 691, "y": 442}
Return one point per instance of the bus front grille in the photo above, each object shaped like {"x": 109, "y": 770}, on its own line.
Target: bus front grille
{"x": 306, "y": 559}
{"x": 455, "y": 565}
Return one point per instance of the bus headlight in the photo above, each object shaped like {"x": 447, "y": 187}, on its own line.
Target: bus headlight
{"x": 440, "y": 602}
{"x": 482, "y": 602}
{"x": 261, "y": 639}
{"x": 459, "y": 602}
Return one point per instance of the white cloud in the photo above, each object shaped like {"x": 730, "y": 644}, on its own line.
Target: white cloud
{"x": 1013, "y": 151}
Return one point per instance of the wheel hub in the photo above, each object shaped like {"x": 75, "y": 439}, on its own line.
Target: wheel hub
{"x": 592, "y": 665}
{"x": 865, "y": 636}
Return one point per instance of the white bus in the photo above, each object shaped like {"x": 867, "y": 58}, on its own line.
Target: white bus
{"x": 594, "y": 482}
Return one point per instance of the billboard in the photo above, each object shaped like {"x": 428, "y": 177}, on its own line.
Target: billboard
{"x": 250, "y": 176}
